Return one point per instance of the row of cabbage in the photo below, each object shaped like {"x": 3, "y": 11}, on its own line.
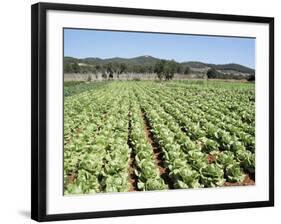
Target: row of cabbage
{"x": 209, "y": 129}
{"x": 230, "y": 155}
{"x": 147, "y": 172}
{"x": 104, "y": 130}
{"x": 96, "y": 152}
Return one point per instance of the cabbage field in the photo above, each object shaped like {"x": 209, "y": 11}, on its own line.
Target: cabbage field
{"x": 124, "y": 136}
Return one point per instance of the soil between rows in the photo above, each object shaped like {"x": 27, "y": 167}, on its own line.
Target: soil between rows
{"x": 133, "y": 180}
{"x": 132, "y": 175}
{"x": 247, "y": 181}
{"x": 157, "y": 153}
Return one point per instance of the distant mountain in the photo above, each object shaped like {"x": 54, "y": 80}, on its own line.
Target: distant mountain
{"x": 230, "y": 66}
{"x": 142, "y": 60}
{"x": 70, "y": 60}
{"x": 195, "y": 64}
{"x": 234, "y": 67}
{"x": 147, "y": 60}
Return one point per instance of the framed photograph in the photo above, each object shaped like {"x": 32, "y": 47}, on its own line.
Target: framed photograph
{"x": 140, "y": 111}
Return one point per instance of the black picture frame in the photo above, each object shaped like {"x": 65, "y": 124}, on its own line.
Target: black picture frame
{"x": 39, "y": 108}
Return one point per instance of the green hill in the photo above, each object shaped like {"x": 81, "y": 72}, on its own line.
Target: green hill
{"x": 146, "y": 63}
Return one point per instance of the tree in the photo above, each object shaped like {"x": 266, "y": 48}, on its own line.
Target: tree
{"x": 104, "y": 75}
{"x": 187, "y": 70}
{"x": 85, "y": 69}
{"x": 166, "y": 69}
{"x": 214, "y": 74}
{"x": 75, "y": 67}
{"x": 123, "y": 68}
{"x": 109, "y": 70}
{"x": 170, "y": 68}
{"x": 159, "y": 69}
{"x": 99, "y": 68}
{"x": 150, "y": 69}
{"x": 93, "y": 69}
{"x": 180, "y": 69}
{"x": 251, "y": 78}
{"x": 119, "y": 68}
{"x": 67, "y": 68}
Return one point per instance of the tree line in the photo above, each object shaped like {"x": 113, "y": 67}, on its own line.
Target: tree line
{"x": 165, "y": 69}
{"x": 213, "y": 73}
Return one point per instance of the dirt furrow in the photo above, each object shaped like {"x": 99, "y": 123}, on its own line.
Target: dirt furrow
{"x": 132, "y": 164}
{"x": 157, "y": 154}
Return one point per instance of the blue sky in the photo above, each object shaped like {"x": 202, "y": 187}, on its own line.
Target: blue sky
{"x": 81, "y": 43}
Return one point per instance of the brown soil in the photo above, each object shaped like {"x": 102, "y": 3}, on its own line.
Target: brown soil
{"x": 247, "y": 181}
{"x": 132, "y": 175}
{"x": 157, "y": 154}
{"x": 211, "y": 158}
{"x": 132, "y": 166}
{"x": 71, "y": 178}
